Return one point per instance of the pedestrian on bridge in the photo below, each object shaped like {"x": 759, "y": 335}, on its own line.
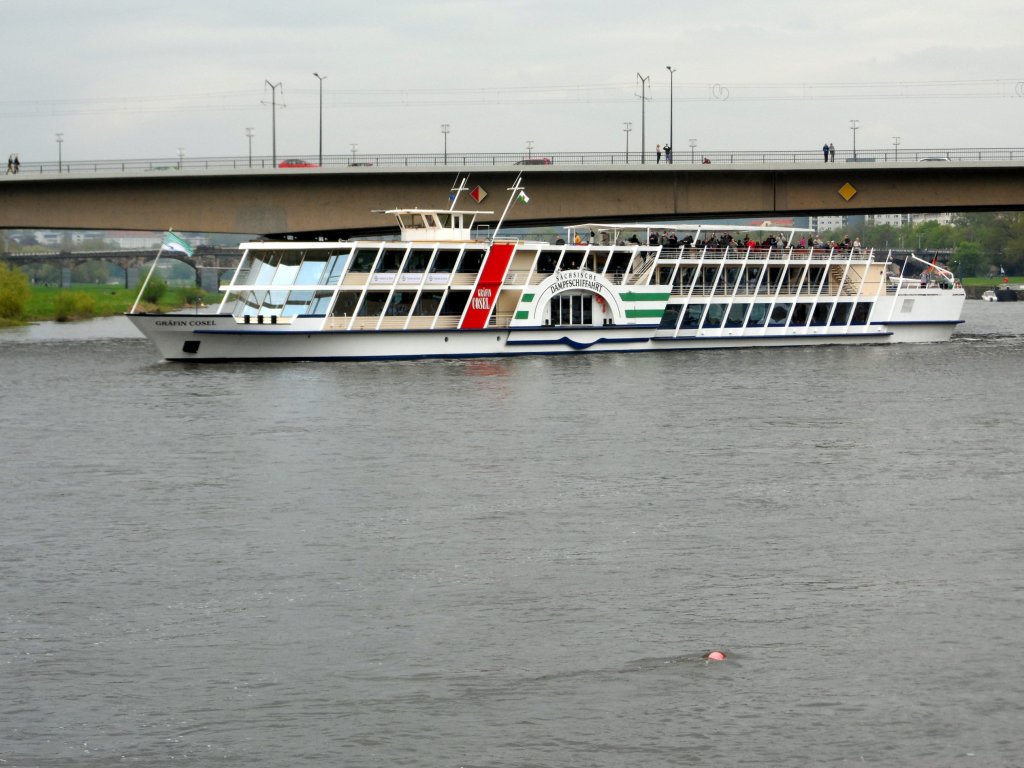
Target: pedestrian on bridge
{"x": 824, "y": 150}
{"x": 832, "y": 151}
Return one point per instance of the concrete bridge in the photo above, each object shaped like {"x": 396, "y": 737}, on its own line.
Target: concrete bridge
{"x": 338, "y": 202}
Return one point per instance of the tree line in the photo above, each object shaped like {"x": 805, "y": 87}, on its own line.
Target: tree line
{"x": 981, "y": 244}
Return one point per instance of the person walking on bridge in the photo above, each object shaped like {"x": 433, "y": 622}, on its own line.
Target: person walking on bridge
{"x": 824, "y": 150}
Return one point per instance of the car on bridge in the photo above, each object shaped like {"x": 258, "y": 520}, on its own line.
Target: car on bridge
{"x": 535, "y": 161}
{"x": 296, "y": 163}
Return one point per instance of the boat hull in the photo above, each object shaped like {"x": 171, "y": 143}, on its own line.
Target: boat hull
{"x": 219, "y": 338}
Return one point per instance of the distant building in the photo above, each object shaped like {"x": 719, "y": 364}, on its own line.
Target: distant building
{"x": 828, "y": 223}
{"x": 889, "y": 219}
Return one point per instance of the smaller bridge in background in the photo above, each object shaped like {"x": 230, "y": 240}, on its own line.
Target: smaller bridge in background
{"x": 208, "y": 262}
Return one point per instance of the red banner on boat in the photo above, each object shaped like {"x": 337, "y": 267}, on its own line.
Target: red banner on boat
{"x": 486, "y": 292}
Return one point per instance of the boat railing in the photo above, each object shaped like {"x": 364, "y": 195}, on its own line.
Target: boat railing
{"x": 500, "y": 319}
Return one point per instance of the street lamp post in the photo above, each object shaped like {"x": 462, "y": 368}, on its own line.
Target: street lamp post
{"x": 671, "y": 108}
{"x": 853, "y": 127}
{"x": 644, "y": 82}
{"x": 181, "y": 156}
{"x": 60, "y": 153}
{"x": 529, "y": 148}
{"x": 627, "y": 127}
{"x": 896, "y": 144}
{"x": 693, "y": 146}
{"x": 354, "y": 148}
{"x": 273, "y": 120}
{"x": 248, "y": 134}
{"x": 321, "y": 78}
{"x": 445, "y": 129}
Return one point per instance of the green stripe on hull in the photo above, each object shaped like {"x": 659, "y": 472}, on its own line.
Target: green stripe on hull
{"x": 645, "y": 313}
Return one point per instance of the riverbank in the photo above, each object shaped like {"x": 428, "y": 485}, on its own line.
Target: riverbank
{"x": 48, "y": 302}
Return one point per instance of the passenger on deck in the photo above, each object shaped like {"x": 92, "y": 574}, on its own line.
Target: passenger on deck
{"x": 653, "y": 239}
{"x": 673, "y": 241}
{"x": 634, "y": 239}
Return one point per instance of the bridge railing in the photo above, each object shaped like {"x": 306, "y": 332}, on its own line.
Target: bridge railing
{"x": 526, "y": 160}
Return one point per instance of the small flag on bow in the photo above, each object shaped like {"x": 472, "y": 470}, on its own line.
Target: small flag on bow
{"x": 523, "y": 198}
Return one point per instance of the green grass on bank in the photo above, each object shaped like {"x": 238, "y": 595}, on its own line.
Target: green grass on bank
{"x": 80, "y": 302}
{"x": 989, "y": 282}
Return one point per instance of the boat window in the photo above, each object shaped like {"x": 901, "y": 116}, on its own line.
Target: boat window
{"x": 819, "y": 315}
{"x": 261, "y": 268}
{"x": 335, "y": 267}
{"x": 363, "y": 260}
{"x": 571, "y": 260}
{"x": 373, "y": 304}
{"x": 715, "y": 316}
{"x": 287, "y": 268}
{"x": 417, "y": 261}
{"x": 572, "y": 309}
{"x": 428, "y": 303}
{"x": 664, "y": 275}
{"x": 297, "y": 303}
{"x": 455, "y": 303}
{"x": 246, "y": 303}
{"x": 618, "y": 262}
{"x": 758, "y": 316}
{"x": 391, "y": 260}
{"x": 842, "y": 313}
{"x": 683, "y": 278}
{"x": 815, "y": 276}
{"x": 547, "y": 260}
{"x": 471, "y": 262}
{"x": 345, "y": 306}
{"x": 691, "y": 318}
{"x": 671, "y": 316}
{"x": 861, "y": 313}
{"x": 320, "y": 304}
{"x": 312, "y": 268}
{"x": 737, "y": 314}
{"x": 801, "y": 314}
{"x": 780, "y": 314}
{"x": 445, "y": 261}
{"x": 401, "y": 303}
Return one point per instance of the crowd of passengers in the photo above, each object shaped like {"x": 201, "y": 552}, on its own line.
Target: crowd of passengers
{"x": 670, "y": 240}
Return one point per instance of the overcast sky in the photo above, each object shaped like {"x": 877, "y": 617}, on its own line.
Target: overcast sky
{"x": 141, "y": 79}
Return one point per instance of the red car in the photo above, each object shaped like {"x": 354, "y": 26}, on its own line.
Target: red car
{"x": 296, "y": 163}
{"x": 535, "y": 161}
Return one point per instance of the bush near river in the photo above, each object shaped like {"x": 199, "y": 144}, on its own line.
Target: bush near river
{"x": 21, "y": 302}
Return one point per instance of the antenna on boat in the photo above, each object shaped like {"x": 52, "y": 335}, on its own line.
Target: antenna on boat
{"x": 457, "y": 189}
{"x": 517, "y": 192}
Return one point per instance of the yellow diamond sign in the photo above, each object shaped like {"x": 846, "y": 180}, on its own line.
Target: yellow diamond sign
{"x": 847, "y": 191}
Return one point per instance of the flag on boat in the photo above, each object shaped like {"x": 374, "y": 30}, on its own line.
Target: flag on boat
{"x": 522, "y": 197}
{"x": 174, "y": 243}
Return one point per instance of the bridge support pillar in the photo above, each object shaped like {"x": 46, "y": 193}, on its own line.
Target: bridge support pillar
{"x": 65, "y": 277}
{"x": 131, "y": 277}
{"x": 209, "y": 280}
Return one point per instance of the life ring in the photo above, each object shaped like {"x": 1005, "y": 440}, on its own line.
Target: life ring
{"x": 600, "y": 300}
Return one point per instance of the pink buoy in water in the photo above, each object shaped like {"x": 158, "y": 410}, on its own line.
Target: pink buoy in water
{"x": 715, "y": 656}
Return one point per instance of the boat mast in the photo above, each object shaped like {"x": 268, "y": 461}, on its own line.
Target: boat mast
{"x": 516, "y": 190}
{"x": 457, "y": 189}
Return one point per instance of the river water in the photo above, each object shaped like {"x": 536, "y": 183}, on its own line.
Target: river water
{"x": 513, "y": 562}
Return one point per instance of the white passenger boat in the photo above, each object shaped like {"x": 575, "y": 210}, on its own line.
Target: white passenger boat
{"x": 440, "y": 291}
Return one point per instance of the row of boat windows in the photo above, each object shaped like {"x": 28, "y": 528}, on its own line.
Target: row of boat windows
{"x": 761, "y": 314}
{"x": 723, "y": 279}
{"x": 317, "y": 266}
{"x": 351, "y": 303}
